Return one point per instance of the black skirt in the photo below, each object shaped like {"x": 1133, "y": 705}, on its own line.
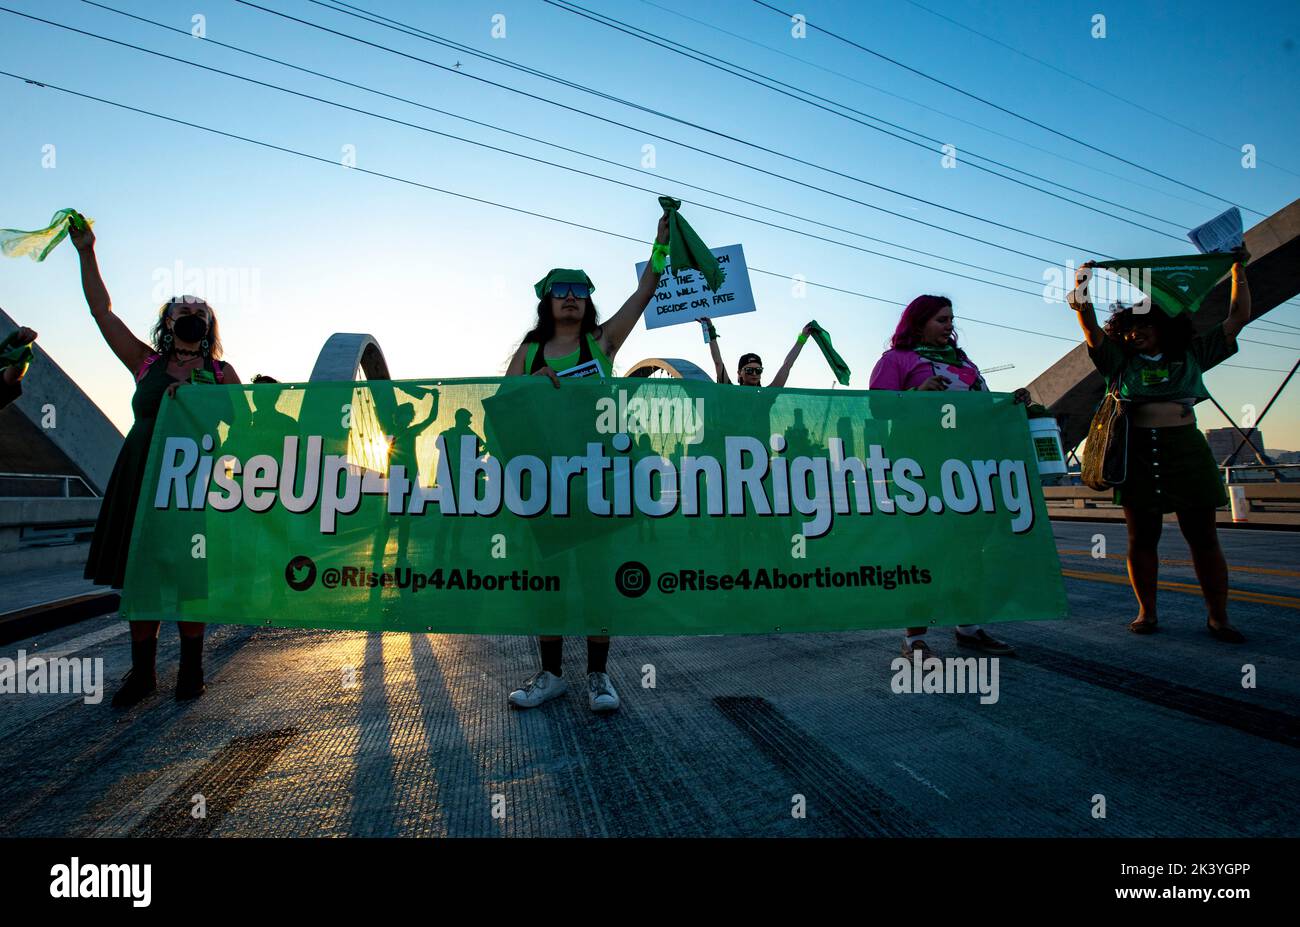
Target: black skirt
{"x": 111, "y": 543}
{"x": 1170, "y": 470}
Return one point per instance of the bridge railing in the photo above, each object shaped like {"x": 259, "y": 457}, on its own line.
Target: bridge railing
{"x": 59, "y": 485}
{"x": 40, "y": 533}
{"x": 1277, "y": 473}
{"x": 1263, "y": 498}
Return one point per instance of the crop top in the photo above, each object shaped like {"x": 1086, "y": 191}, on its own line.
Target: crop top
{"x": 588, "y": 361}
{"x": 1161, "y": 378}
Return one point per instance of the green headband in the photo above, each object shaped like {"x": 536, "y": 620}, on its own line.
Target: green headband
{"x": 562, "y": 275}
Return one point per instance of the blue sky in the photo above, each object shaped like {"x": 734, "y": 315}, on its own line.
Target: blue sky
{"x": 304, "y": 249}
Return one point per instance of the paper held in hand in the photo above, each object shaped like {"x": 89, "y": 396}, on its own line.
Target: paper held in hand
{"x": 684, "y": 297}
{"x": 1222, "y": 233}
{"x": 590, "y": 369}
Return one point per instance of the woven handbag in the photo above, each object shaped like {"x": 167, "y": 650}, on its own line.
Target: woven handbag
{"x": 1105, "y": 455}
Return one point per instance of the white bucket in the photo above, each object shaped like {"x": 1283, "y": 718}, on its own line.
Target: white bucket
{"x": 1240, "y": 507}
{"x": 1046, "y": 435}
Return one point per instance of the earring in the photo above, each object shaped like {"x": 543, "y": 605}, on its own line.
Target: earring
{"x": 204, "y": 346}
{"x": 166, "y": 342}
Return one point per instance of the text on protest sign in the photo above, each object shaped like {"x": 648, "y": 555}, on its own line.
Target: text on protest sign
{"x": 684, "y": 297}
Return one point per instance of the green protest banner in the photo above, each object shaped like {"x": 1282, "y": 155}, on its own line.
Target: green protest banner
{"x": 624, "y": 506}
{"x": 1175, "y": 284}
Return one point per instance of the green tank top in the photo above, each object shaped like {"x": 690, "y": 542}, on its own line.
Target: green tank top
{"x": 588, "y": 361}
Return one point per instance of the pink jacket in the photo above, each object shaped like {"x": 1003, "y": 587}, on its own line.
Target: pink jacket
{"x": 903, "y": 370}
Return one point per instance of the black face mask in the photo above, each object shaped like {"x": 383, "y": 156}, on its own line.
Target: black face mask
{"x": 190, "y": 328}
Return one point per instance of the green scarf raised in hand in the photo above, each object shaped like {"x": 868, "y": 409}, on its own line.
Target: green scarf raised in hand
{"x": 686, "y": 250}
{"x": 823, "y": 339}
{"x": 1176, "y": 284}
{"x": 36, "y": 245}
{"x": 13, "y": 354}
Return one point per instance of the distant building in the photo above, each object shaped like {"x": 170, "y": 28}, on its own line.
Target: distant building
{"x": 1224, "y": 441}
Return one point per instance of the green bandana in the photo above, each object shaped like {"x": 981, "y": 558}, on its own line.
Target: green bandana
{"x": 823, "y": 339}
{"x": 687, "y": 251}
{"x": 37, "y": 244}
{"x": 20, "y": 357}
{"x": 944, "y": 355}
{"x": 562, "y": 275}
{"x": 1177, "y": 284}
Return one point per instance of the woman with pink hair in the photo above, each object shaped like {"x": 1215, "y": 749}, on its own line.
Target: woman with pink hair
{"x": 923, "y": 355}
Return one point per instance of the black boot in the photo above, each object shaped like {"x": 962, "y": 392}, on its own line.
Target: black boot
{"x": 141, "y": 680}
{"x": 189, "y": 679}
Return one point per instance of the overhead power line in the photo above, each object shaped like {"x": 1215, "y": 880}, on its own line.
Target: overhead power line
{"x": 1009, "y": 112}
{"x": 1097, "y": 87}
{"x": 522, "y": 156}
{"x": 803, "y": 95}
{"x": 487, "y": 202}
{"x": 46, "y": 85}
{"x": 980, "y": 127}
{"x": 659, "y": 176}
{"x": 534, "y": 72}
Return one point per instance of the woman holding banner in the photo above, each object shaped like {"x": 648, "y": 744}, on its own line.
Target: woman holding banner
{"x": 1154, "y": 362}
{"x": 568, "y": 341}
{"x": 184, "y": 347}
{"x": 923, "y": 355}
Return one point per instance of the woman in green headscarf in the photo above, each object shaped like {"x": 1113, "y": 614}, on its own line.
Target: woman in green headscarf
{"x": 568, "y": 341}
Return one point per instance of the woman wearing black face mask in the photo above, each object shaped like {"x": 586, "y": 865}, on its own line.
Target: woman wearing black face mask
{"x": 185, "y": 348}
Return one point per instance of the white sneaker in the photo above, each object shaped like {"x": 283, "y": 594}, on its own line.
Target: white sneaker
{"x": 600, "y": 692}
{"x": 540, "y": 687}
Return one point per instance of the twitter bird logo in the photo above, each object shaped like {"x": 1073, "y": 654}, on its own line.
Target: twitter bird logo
{"x": 300, "y": 573}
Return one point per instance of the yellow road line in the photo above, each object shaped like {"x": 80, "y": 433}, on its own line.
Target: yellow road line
{"x": 1239, "y": 595}
{"x": 1269, "y": 571}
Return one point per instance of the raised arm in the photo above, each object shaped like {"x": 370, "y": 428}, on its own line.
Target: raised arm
{"x": 129, "y": 349}
{"x": 1079, "y": 300}
{"x": 784, "y": 373}
{"x": 1239, "y": 306}
{"x": 615, "y": 331}
{"x": 719, "y": 368}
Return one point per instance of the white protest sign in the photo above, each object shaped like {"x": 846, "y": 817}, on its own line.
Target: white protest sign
{"x": 684, "y": 297}
{"x": 1222, "y": 233}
